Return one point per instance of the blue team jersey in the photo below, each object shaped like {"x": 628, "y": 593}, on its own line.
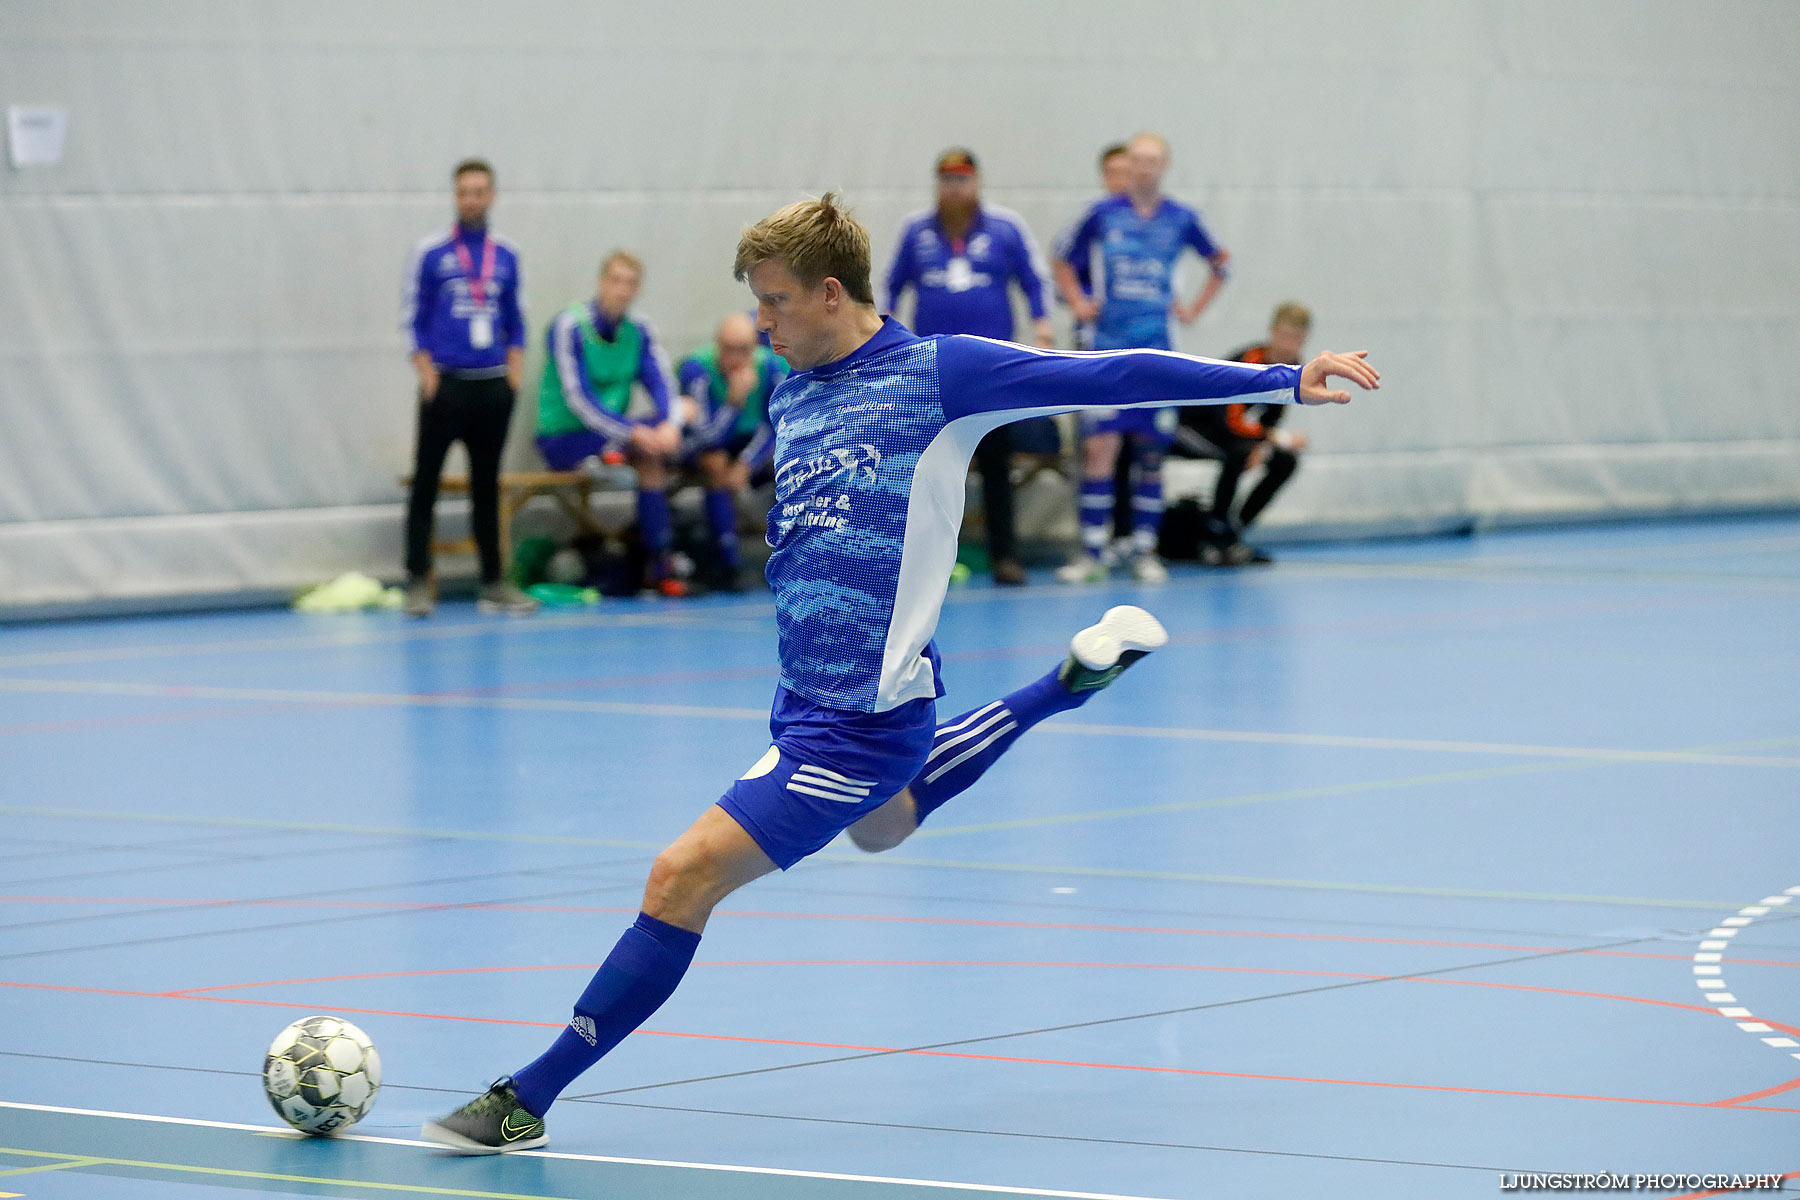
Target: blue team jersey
{"x": 870, "y": 454}
{"x": 439, "y": 305}
{"x": 1137, "y": 257}
{"x": 961, "y": 286}
{"x": 743, "y": 428}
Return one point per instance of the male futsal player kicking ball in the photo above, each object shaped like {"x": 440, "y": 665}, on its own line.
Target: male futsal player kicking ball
{"x": 874, "y": 430}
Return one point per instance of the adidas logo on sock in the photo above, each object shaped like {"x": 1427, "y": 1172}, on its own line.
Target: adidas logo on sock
{"x": 584, "y": 1026}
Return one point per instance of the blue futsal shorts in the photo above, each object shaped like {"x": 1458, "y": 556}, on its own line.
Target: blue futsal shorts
{"x": 1155, "y": 425}
{"x": 567, "y": 451}
{"x": 827, "y": 770}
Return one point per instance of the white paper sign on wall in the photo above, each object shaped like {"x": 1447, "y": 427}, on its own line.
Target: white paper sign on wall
{"x": 35, "y": 133}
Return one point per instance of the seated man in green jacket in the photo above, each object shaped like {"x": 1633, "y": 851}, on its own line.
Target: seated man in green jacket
{"x": 597, "y": 351}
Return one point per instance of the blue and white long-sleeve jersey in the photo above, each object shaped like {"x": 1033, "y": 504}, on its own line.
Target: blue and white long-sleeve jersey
{"x": 437, "y": 303}
{"x": 961, "y": 284}
{"x": 871, "y": 452}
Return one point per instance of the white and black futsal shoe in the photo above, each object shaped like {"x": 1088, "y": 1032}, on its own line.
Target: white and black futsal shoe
{"x": 492, "y": 1123}
{"x": 1100, "y": 652}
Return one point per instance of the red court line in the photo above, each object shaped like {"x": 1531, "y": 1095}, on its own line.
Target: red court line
{"x": 873, "y": 918}
{"x": 876, "y": 918}
{"x": 1730, "y": 1191}
{"x": 122, "y": 720}
{"x": 204, "y": 992}
{"x": 1762, "y": 1095}
{"x": 995, "y": 1058}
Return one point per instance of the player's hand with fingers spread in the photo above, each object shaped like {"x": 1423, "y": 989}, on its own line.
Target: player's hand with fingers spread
{"x": 1352, "y": 366}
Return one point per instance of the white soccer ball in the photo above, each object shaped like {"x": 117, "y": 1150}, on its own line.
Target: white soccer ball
{"x": 321, "y": 1075}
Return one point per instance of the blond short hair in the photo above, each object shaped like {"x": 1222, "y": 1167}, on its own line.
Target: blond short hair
{"x": 1291, "y": 313}
{"x": 817, "y": 240}
{"x": 623, "y": 256}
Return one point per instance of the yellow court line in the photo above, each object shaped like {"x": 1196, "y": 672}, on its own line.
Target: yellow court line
{"x": 57, "y": 1166}
{"x": 1185, "y": 806}
{"x": 1313, "y": 793}
{"x": 193, "y": 1169}
{"x": 1321, "y": 885}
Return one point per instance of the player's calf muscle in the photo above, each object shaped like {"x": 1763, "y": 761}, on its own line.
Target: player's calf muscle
{"x": 887, "y": 826}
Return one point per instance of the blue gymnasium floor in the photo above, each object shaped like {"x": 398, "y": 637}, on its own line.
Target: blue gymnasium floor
{"x": 1406, "y": 866}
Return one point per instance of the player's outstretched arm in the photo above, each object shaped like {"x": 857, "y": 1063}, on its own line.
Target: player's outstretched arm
{"x": 983, "y": 376}
{"x": 1352, "y": 366}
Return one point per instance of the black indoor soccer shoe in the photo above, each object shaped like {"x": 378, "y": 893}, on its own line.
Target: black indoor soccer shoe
{"x": 492, "y": 1123}
{"x": 1100, "y": 652}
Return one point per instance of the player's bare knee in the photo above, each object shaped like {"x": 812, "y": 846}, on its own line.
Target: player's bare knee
{"x": 676, "y": 876}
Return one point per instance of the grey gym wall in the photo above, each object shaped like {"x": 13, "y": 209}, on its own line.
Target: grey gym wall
{"x": 1567, "y": 230}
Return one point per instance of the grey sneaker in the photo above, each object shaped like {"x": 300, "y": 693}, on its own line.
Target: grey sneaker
{"x": 492, "y": 1123}
{"x": 421, "y": 598}
{"x": 1147, "y": 568}
{"x": 504, "y": 598}
{"x": 1099, "y": 653}
{"x": 1086, "y": 568}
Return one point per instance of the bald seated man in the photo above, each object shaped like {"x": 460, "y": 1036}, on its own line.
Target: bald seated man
{"x": 725, "y": 389}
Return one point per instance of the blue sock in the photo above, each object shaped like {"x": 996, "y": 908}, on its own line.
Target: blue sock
{"x": 653, "y": 521}
{"x": 963, "y": 749}
{"x": 639, "y": 974}
{"x": 1096, "y": 514}
{"x": 721, "y": 515}
{"x": 1146, "y": 513}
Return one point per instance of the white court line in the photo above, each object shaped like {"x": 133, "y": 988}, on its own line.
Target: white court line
{"x": 376, "y": 699}
{"x": 1533, "y": 575}
{"x": 986, "y": 1189}
{"x": 1448, "y": 747}
{"x": 629, "y": 708}
{"x": 1725, "y": 1003}
{"x": 387, "y": 634}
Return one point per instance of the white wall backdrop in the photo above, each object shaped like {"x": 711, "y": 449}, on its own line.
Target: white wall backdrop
{"x": 1569, "y": 230}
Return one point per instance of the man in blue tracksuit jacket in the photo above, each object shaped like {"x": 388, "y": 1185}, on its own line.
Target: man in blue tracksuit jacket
{"x": 873, "y": 435}
{"x": 462, "y": 311}
{"x": 960, "y": 259}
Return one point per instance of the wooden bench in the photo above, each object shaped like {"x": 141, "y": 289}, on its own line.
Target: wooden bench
{"x": 570, "y": 489}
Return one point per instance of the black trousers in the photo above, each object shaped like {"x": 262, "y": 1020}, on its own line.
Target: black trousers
{"x": 993, "y": 458}
{"x": 475, "y": 412}
{"x": 1280, "y": 468}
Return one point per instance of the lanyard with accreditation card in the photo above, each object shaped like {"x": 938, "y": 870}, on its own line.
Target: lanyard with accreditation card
{"x": 481, "y": 326}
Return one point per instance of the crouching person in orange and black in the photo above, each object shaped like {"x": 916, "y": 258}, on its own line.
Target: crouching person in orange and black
{"x": 598, "y": 351}
{"x": 1244, "y": 437}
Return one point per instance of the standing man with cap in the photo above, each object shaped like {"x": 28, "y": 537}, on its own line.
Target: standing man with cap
{"x": 959, "y": 259}
{"x": 468, "y": 351}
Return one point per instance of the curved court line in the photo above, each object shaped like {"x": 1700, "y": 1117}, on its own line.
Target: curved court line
{"x": 1708, "y": 960}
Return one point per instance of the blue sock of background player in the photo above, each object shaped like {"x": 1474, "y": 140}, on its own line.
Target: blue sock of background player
{"x": 648, "y": 963}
